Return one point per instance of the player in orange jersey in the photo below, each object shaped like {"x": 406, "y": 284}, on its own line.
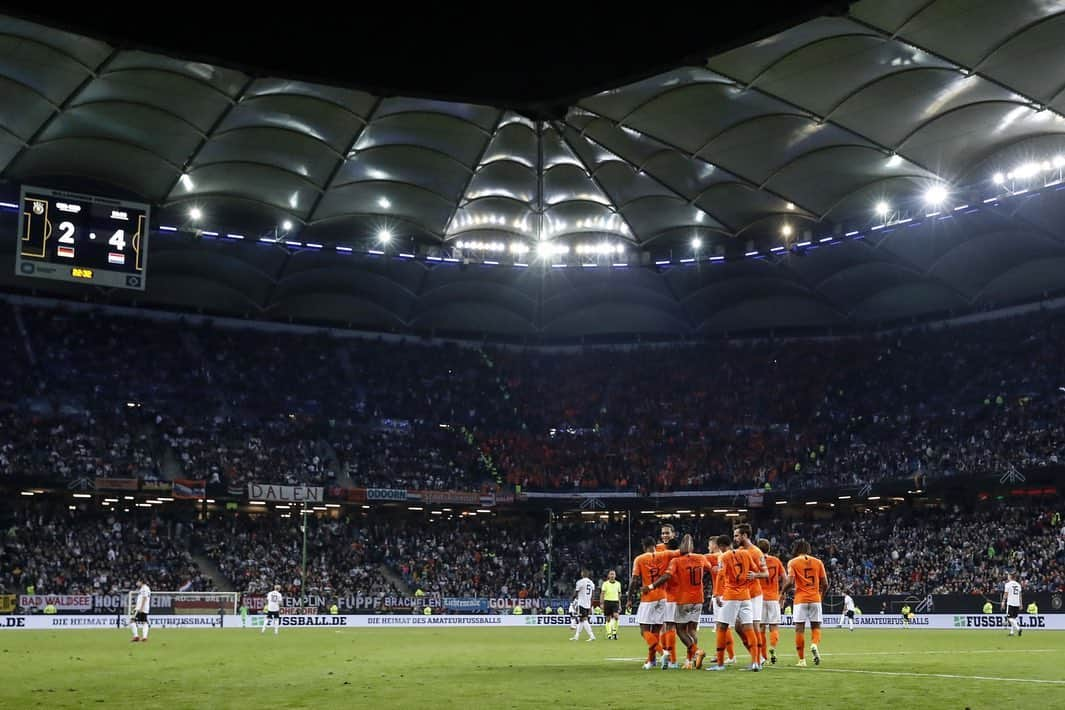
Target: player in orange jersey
{"x": 741, "y": 537}
{"x": 646, "y": 568}
{"x": 668, "y": 637}
{"x": 771, "y": 599}
{"x": 714, "y": 555}
{"x": 733, "y": 606}
{"x": 807, "y": 574}
{"x": 686, "y": 572}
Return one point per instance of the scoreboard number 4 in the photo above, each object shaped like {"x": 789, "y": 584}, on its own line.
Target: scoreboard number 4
{"x": 118, "y": 239}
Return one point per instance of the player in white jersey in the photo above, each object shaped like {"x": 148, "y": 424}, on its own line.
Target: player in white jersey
{"x": 273, "y": 609}
{"x": 847, "y": 618}
{"x": 1011, "y": 602}
{"x": 141, "y": 611}
{"x": 583, "y": 597}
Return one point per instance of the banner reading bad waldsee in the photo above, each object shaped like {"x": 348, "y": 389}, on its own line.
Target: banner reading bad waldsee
{"x": 286, "y": 494}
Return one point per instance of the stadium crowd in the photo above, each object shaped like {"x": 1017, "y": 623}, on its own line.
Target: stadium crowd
{"x": 233, "y": 406}
{"x": 897, "y": 550}
{"x": 50, "y": 549}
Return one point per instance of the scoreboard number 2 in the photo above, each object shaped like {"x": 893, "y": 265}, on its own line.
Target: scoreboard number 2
{"x": 67, "y": 229}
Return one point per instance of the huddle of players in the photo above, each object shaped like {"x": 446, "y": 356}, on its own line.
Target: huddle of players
{"x": 746, "y": 589}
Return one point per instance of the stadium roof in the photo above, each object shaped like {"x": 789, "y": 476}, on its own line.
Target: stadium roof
{"x": 727, "y": 167}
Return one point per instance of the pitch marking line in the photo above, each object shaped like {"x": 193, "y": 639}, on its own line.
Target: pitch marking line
{"x": 896, "y": 653}
{"x": 940, "y": 675}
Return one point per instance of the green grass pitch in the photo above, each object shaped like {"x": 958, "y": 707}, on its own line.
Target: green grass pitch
{"x": 479, "y": 669}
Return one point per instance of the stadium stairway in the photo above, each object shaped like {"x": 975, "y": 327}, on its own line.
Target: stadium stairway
{"x": 394, "y": 579}
{"x": 209, "y": 568}
{"x": 21, "y": 324}
{"x": 329, "y": 456}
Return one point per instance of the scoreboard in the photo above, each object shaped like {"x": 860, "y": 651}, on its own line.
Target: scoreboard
{"x": 68, "y": 236}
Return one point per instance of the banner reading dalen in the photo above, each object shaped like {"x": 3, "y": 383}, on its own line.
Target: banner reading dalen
{"x": 285, "y": 494}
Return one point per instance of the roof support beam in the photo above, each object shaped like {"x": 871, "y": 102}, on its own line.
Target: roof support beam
{"x": 342, "y": 159}
{"x": 661, "y": 141}
{"x": 207, "y": 136}
{"x": 57, "y": 110}
{"x": 591, "y": 174}
{"x": 477, "y": 163}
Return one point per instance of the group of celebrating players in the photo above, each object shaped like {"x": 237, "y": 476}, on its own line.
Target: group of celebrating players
{"x": 747, "y": 584}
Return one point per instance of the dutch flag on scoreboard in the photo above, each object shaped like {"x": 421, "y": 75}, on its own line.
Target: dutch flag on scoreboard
{"x": 68, "y": 252}
{"x": 114, "y": 257}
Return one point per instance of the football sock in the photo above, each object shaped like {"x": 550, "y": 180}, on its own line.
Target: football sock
{"x": 133, "y": 628}
{"x": 800, "y": 644}
{"x": 730, "y": 644}
{"x": 752, "y": 646}
{"x": 144, "y": 631}
{"x": 670, "y": 644}
{"x": 652, "y": 644}
{"x": 722, "y": 637}
{"x": 774, "y": 638}
{"x": 761, "y": 641}
{"x": 815, "y": 637}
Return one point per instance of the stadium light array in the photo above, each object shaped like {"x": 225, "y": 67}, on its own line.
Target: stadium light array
{"x": 484, "y": 246}
{"x": 546, "y": 249}
{"x": 384, "y": 236}
{"x": 384, "y": 203}
{"x": 935, "y": 195}
{"x": 602, "y": 248}
{"x": 287, "y": 225}
{"x": 195, "y": 214}
{"x": 882, "y": 208}
{"x": 696, "y": 242}
{"x": 786, "y": 230}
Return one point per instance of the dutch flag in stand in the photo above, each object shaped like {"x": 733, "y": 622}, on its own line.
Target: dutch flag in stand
{"x": 114, "y": 257}
{"x": 68, "y": 252}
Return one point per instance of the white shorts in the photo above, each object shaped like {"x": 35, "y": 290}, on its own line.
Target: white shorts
{"x": 756, "y": 608}
{"x": 652, "y": 613}
{"x": 671, "y": 612}
{"x": 771, "y": 612}
{"x": 687, "y": 613}
{"x": 810, "y": 611}
{"x": 732, "y": 611}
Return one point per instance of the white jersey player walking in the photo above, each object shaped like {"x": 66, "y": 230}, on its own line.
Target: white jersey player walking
{"x": 273, "y": 609}
{"x": 847, "y": 618}
{"x": 1011, "y": 601}
{"x": 583, "y": 598}
{"x": 141, "y": 611}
